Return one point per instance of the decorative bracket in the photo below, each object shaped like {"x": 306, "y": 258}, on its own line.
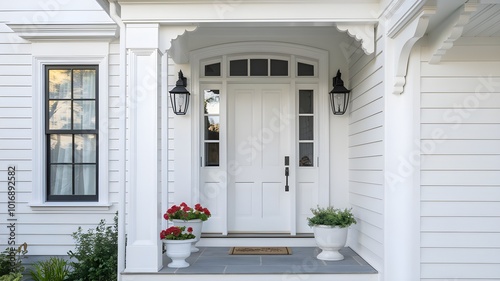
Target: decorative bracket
{"x": 442, "y": 39}
{"x": 403, "y": 42}
{"x": 361, "y": 32}
{"x": 176, "y": 45}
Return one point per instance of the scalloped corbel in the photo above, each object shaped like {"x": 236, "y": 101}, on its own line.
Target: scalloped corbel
{"x": 442, "y": 39}
{"x": 171, "y": 33}
{"x": 403, "y": 43}
{"x": 361, "y": 32}
{"x": 174, "y": 43}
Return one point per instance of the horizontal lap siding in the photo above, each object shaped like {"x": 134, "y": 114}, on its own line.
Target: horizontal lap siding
{"x": 460, "y": 166}
{"x": 172, "y": 78}
{"x": 366, "y": 161}
{"x": 47, "y": 232}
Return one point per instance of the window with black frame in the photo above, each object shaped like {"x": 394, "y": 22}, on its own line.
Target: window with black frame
{"x": 71, "y": 128}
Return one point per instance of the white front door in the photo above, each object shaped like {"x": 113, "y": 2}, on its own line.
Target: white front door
{"x": 259, "y": 138}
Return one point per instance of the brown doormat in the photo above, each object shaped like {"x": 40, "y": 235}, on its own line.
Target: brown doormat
{"x": 260, "y": 251}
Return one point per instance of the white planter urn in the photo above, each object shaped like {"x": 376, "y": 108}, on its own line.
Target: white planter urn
{"x": 196, "y": 225}
{"x": 330, "y": 240}
{"x": 178, "y": 251}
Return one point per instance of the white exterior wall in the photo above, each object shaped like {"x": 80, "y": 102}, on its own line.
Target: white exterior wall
{"x": 460, "y": 179}
{"x": 46, "y": 230}
{"x": 366, "y": 153}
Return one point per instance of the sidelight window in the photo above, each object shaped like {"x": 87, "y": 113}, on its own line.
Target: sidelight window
{"x": 211, "y": 113}
{"x": 306, "y": 128}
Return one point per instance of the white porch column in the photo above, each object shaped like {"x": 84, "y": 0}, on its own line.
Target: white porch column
{"x": 143, "y": 251}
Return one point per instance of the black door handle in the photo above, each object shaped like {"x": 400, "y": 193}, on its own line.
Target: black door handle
{"x": 287, "y": 173}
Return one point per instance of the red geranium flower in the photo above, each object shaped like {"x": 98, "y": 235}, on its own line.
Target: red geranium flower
{"x": 176, "y": 233}
{"x": 190, "y": 229}
{"x": 184, "y": 212}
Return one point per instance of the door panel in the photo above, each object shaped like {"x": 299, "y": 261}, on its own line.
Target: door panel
{"x": 258, "y": 139}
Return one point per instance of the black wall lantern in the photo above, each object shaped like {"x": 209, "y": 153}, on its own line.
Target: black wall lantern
{"x": 179, "y": 96}
{"x": 339, "y": 96}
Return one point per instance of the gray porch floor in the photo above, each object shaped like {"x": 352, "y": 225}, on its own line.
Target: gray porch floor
{"x": 216, "y": 260}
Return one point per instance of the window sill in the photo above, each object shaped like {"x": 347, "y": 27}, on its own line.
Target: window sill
{"x": 57, "y": 206}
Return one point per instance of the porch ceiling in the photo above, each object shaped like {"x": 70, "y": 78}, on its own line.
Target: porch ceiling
{"x": 323, "y": 36}
{"x": 484, "y": 22}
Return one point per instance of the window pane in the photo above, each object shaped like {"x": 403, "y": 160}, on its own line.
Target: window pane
{"x": 61, "y": 149}
{"x": 212, "y": 69}
{"x": 258, "y": 67}
{"x": 306, "y": 153}
{"x": 59, "y": 84}
{"x": 306, "y": 128}
{"x": 84, "y": 84}
{"x": 306, "y": 101}
{"x": 212, "y": 127}
{"x": 61, "y": 180}
{"x": 59, "y": 115}
{"x": 212, "y": 101}
{"x": 305, "y": 69}
{"x": 279, "y": 68}
{"x": 85, "y": 180}
{"x": 211, "y": 154}
{"x": 238, "y": 68}
{"x": 85, "y": 148}
{"x": 84, "y": 115}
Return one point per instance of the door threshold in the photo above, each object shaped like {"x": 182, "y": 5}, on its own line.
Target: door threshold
{"x": 257, "y": 240}
{"x": 257, "y": 235}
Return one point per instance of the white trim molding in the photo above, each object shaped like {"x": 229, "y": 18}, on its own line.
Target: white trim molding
{"x": 364, "y": 33}
{"x": 38, "y": 200}
{"x": 403, "y": 41}
{"x": 400, "y": 14}
{"x": 442, "y": 39}
{"x": 65, "y": 31}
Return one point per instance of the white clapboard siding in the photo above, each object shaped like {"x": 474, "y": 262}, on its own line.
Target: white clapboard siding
{"x": 460, "y": 169}
{"x": 46, "y": 231}
{"x": 172, "y": 78}
{"x": 115, "y": 110}
{"x": 366, "y": 148}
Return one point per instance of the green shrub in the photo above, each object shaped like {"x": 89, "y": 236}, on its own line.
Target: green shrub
{"x": 11, "y": 277}
{"x": 53, "y": 269}
{"x": 96, "y": 253}
{"x": 332, "y": 217}
{"x": 11, "y": 260}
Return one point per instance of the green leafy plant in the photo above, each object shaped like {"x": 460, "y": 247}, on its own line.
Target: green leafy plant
{"x": 11, "y": 260}
{"x": 332, "y": 217}
{"x": 96, "y": 253}
{"x": 12, "y": 277}
{"x": 53, "y": 269}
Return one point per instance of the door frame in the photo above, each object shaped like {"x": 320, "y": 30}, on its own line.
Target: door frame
{"x": 296, "y": 52}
